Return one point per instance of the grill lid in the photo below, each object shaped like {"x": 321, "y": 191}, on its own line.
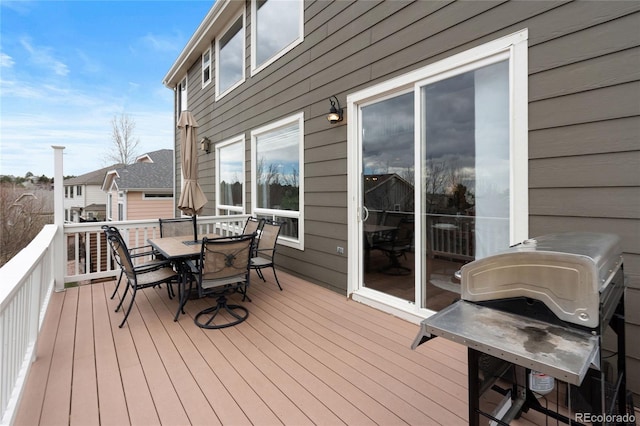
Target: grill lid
{"x": 566, "y": 271}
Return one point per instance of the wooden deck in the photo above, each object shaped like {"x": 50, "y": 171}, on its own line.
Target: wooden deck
{"x": 305, "y": 355}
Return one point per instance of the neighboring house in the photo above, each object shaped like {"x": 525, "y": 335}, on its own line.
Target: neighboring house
{"x": 388, "y": 192}
{"x": 142, "y": 190}
{"x": 523, "y": 118}
{"x": 84, "y": 198}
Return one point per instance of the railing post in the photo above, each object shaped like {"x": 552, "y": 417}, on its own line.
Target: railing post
{"x": 58, "y": 201}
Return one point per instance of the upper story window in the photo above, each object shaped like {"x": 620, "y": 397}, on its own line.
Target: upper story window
{"x": 182, "y": 95}
{"x": 278, "y": 26}
{"x": 277, "y": 176}
{"x": 79, "y": 190}
{"x": 230, "y": 176}
{"x": 206, "y": 68}
{"x": 230, "y": 58}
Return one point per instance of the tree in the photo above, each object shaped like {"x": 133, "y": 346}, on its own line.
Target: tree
{"x": 125, "y": 143}
{"x": 22, "y": 216}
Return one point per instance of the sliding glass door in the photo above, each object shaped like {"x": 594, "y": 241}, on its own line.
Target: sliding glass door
{"x": 438, "y": 175}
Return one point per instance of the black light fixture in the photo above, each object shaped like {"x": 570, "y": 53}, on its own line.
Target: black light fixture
{"x": 205, "y": 145}
{"x": 335, "y": 114}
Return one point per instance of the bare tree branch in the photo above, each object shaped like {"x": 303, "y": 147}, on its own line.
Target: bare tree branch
{"x": 125, "y": 144}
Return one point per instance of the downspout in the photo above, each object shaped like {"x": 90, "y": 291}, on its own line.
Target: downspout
{"x": 58, "y": 214}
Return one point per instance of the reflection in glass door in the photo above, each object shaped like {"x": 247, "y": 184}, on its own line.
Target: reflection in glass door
{"x": 466, "y": 175}
{"x": 388, "y": 243}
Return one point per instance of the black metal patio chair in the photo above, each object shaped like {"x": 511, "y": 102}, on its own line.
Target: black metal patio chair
{"x": 145, "y": 253}
{"x": 223, "y": 269}
{"x": 266, "y": 252}
{"x": 141, "y": 276}
{"x": 177, "y": 227}
{"x": 400, "y": 243}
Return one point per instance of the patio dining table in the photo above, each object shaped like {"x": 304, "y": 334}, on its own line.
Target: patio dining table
{"x": 180, "y": 250}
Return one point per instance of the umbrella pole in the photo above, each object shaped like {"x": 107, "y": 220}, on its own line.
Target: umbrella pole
{"x": 195, "y": 228}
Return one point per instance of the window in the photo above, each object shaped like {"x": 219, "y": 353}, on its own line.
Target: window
{"x": 181, "y": 93}
{"x": 109, "y": 206}
{"x": 230, "y": 176}
{"x": 230, "y": 58}
{"x": 206, "y": 68}
{"x": 277, "y": 176}
{"x": 277, "y": 28}
{"x": 155, "y": 196}
{"x": 79, "y": 190}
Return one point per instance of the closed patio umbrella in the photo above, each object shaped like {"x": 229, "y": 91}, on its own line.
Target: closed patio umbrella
{"x": 192, "y": 198}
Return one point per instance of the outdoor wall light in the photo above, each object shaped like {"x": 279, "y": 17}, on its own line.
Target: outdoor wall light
{"x": 335, "y": 114}
{"x": 205, "y": 145}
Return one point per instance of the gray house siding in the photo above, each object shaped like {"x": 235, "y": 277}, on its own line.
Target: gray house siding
{"x": 584, "y": 113}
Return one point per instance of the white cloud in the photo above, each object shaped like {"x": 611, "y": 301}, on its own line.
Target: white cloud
{"x": 22, "y": 7}
{"x": 89, "y": 64}
{"x": 162, "y": 43}
{"x": 43, "y": 57}
{"x": 6, "y": 61}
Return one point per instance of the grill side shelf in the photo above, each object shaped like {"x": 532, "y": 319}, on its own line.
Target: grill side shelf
{"x": 562, "y": 352}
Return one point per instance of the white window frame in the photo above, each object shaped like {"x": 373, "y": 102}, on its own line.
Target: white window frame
{"x": 256, "y": 211}
{"x": 219, "y": 94}
{"x": 109, "y": 206}
{"x": 514, "y": 48}
{"x": 219, "y": 206}
{"x": 181, "y": 97}
{"x": 255, "y": 68}
{"x": 206, "y": 64}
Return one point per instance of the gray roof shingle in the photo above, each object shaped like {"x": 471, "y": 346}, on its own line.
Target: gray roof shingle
{"x": 144, "y": 175}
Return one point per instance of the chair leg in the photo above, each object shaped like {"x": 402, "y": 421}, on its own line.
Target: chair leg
{"x": 124, "y": 295}
{"x": 117, "y": 284}
{"x": 133, "y": 299}
{"x": 243, "y": 291}
{"x": 259, "y": 272}
{"x": 276, "y": 277}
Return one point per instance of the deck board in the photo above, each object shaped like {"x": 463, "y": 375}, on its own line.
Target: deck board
{"x": 113, "y": 406}
{"x": 306, "y": 355}
{"x": 58, "y": 388}
{"x": 84, "y": 399}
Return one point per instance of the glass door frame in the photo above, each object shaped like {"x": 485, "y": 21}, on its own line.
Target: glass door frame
{"x": 513, "y": 48}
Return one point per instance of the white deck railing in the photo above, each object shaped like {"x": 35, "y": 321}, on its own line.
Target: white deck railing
{"x": 28, "y": 279}
{"x": 26, "y": 283}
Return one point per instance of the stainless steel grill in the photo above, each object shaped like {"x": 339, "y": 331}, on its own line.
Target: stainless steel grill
{"x": 572, "y": 274}
{"x": 542, "y": 305}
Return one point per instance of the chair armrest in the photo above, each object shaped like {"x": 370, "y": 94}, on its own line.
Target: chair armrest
{"x": 143, "y": 251}
{"x": 153, "y": 266}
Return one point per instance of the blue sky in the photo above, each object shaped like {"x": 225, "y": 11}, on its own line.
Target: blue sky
{"x": 68, "y": 67}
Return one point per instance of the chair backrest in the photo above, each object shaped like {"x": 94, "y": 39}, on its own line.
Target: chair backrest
{"x": 224, "y": 261}
{"x": 177, "y": 227}
{"x": 120, "y": 251}
{"x": 253, "y": 225}
{"x": 404, "y": 233}
{"x": 268, "y": 239}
